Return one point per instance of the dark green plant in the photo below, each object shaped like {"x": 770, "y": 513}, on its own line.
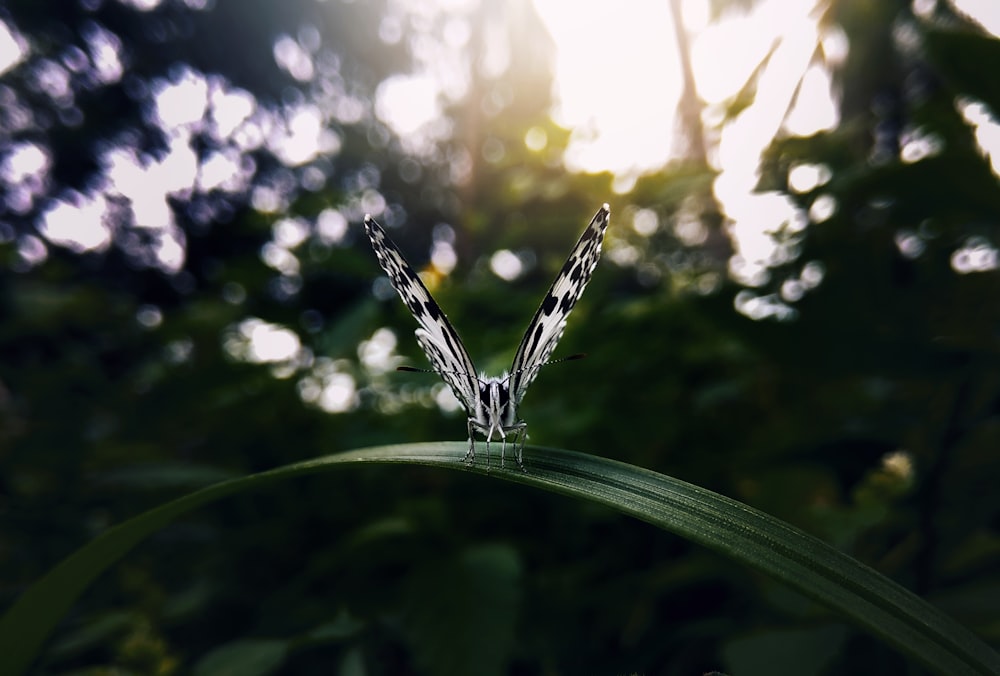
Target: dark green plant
{"x": 733, "y": 529}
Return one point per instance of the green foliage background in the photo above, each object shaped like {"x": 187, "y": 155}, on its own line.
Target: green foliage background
{"x": 413, "y": 570}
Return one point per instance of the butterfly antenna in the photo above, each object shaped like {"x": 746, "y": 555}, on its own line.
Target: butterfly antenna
{"x": 572, "y": 357}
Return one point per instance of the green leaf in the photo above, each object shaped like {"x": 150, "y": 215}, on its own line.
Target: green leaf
{"x": 243, "y": 658}
{"x": 740, "y": 532}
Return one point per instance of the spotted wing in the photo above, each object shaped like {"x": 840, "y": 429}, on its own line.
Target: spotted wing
{"x": 546, "y": 327}
{"x": 436, "y": 336}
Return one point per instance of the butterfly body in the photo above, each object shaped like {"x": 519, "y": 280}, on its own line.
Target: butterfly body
{"x": 491, "y": 402}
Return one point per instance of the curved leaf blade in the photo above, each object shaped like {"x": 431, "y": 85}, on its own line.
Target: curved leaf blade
{"x": 729, "y": 527}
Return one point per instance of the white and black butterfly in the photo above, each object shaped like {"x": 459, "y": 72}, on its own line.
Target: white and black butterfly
{"x": 491, "y": 402}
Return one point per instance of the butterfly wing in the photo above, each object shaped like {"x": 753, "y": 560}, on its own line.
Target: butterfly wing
{"x": 546, "y": 327}
{"x": 436, "y": 336}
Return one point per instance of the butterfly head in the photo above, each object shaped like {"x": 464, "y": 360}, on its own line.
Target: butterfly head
{"x": 495, "y": 409}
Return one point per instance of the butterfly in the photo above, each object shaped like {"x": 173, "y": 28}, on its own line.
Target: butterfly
{"x": 491, "y": 402}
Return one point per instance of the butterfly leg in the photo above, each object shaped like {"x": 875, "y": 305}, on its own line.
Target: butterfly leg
{"x": 519, "y": 438}
{"x": 470, "y": 455}
{"x": 518, "y": 433}
{"x": 488, "y": 435}
{"x": 503, "y": 453}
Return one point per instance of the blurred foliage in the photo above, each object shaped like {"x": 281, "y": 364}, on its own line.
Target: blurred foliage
{"x": 870, "y": 417}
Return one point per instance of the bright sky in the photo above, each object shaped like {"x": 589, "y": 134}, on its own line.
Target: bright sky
{"x": 617, "y": 81}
